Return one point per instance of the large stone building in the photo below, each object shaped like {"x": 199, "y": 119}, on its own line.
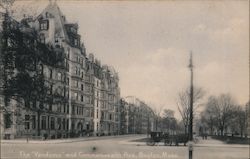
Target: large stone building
{"x": 89, "y": 92}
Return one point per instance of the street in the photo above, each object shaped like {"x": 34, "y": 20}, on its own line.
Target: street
{"x": 123, "y": 147}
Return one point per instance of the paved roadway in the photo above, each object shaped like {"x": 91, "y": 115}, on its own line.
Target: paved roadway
{"x": 118, "y": 148}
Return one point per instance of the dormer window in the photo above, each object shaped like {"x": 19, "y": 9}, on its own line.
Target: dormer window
{"x": 56, "y": 39}
{"x": 44, "y": 25}
{"x": 57, "y": 42}
{"x": 76, "y": 42}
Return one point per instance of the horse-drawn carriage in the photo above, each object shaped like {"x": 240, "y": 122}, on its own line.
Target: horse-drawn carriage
{"x": 156, "y": 137}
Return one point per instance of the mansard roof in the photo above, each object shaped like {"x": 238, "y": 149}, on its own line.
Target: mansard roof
{"x": 53, "y": 11}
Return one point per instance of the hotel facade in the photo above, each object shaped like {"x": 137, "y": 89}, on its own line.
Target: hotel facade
{"x": 89, "y": 92}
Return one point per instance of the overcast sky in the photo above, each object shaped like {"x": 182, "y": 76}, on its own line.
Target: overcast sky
{"x": 149, "y": 43}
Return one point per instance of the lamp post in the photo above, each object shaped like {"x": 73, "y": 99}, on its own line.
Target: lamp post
{"x": 191, "y": 109}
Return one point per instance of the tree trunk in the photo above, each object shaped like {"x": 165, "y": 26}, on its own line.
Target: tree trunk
{"x": 241, "y": 132}
{"x": 221, "y": 132}
{"x": 38, "y": 123}
{"x": 156, "y": 124}
{"x": 185, "y": 129}
{"x": 211, "y": 130}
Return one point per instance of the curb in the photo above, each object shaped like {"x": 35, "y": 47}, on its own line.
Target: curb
{"x": 64, "y": 141}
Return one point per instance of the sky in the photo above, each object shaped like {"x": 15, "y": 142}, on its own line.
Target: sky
{"x": 149, "y": 44}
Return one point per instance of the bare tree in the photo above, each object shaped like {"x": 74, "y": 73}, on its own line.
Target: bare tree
{"x": 221, "y": 109}
{"x": 183, "y": 104}
{"x": 6, "y": 4}
{"x": 157, "y": 111}
{"x": 239, "y": 120}
{"x": 169, "y": 121}
{"x": 208, "y": 119}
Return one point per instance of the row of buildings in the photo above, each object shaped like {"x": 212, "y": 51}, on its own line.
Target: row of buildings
{"x": 89, "y": 103}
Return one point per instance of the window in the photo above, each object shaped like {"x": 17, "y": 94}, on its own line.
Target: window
{"x": 59, "y": 76}
{"x": 82, "y": 87}
{"x": 43, "y": 122}
{"x": 59, "y": 108}
{"x": 64, "y": 92}
{"x": 64, "y": 108}
{"x": 44, "y": 25}
{"x": 97, "y": 114}
{"x": 67, "y": 109}
{"x": 51, "y": 89}
{"x": 59, "y": 121}
{"x": 73, "y": 109}
{"x": 76, "y": 70}
{"x": 76, "y": 96}
{"x": 56, "y": 39}
{"x": 87, "y": 100}
{"x": 27, "y": 122}
{"x": 64, "y": 124}
{"x": 76, "y": 42}
{"x": 81, "y": 98}
{"x": 68, "y": 52}
{"x": 76, "y": 83}
{"x": 67, "y": 80}
{"x": 33, "y": 122}
{"x": 7, "y": 120}
{"x": 67, "y": 124}
{"x": 82, "y": 74}
{"x": 52, "y": 123}
{"x": 88, "y": 88}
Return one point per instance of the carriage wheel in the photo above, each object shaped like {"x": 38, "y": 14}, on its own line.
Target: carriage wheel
{"x": 150, "y": 142}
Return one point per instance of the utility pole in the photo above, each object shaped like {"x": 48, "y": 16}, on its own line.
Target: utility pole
{"x": 191, "y": 99}
{"x": 191, "y": 108}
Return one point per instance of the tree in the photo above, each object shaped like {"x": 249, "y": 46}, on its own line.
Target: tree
{"x": 169, "y": 121}
{"x": 183, "y": 104}
{"x": 157, "y": 112}
{"x": 208, "y": 116}
{"x": 23, "y": 57}
{"x": 6, "y": 4}
{"x": 220, "y": 110}
{"x": 239, "y": 120}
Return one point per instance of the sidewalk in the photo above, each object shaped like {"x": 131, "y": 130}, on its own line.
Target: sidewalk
{"x": 210, "y": 142}
{"x": 58, "y": 141}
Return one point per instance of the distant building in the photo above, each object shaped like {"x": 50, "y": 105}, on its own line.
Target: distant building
{"x": 137, "y": 117}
